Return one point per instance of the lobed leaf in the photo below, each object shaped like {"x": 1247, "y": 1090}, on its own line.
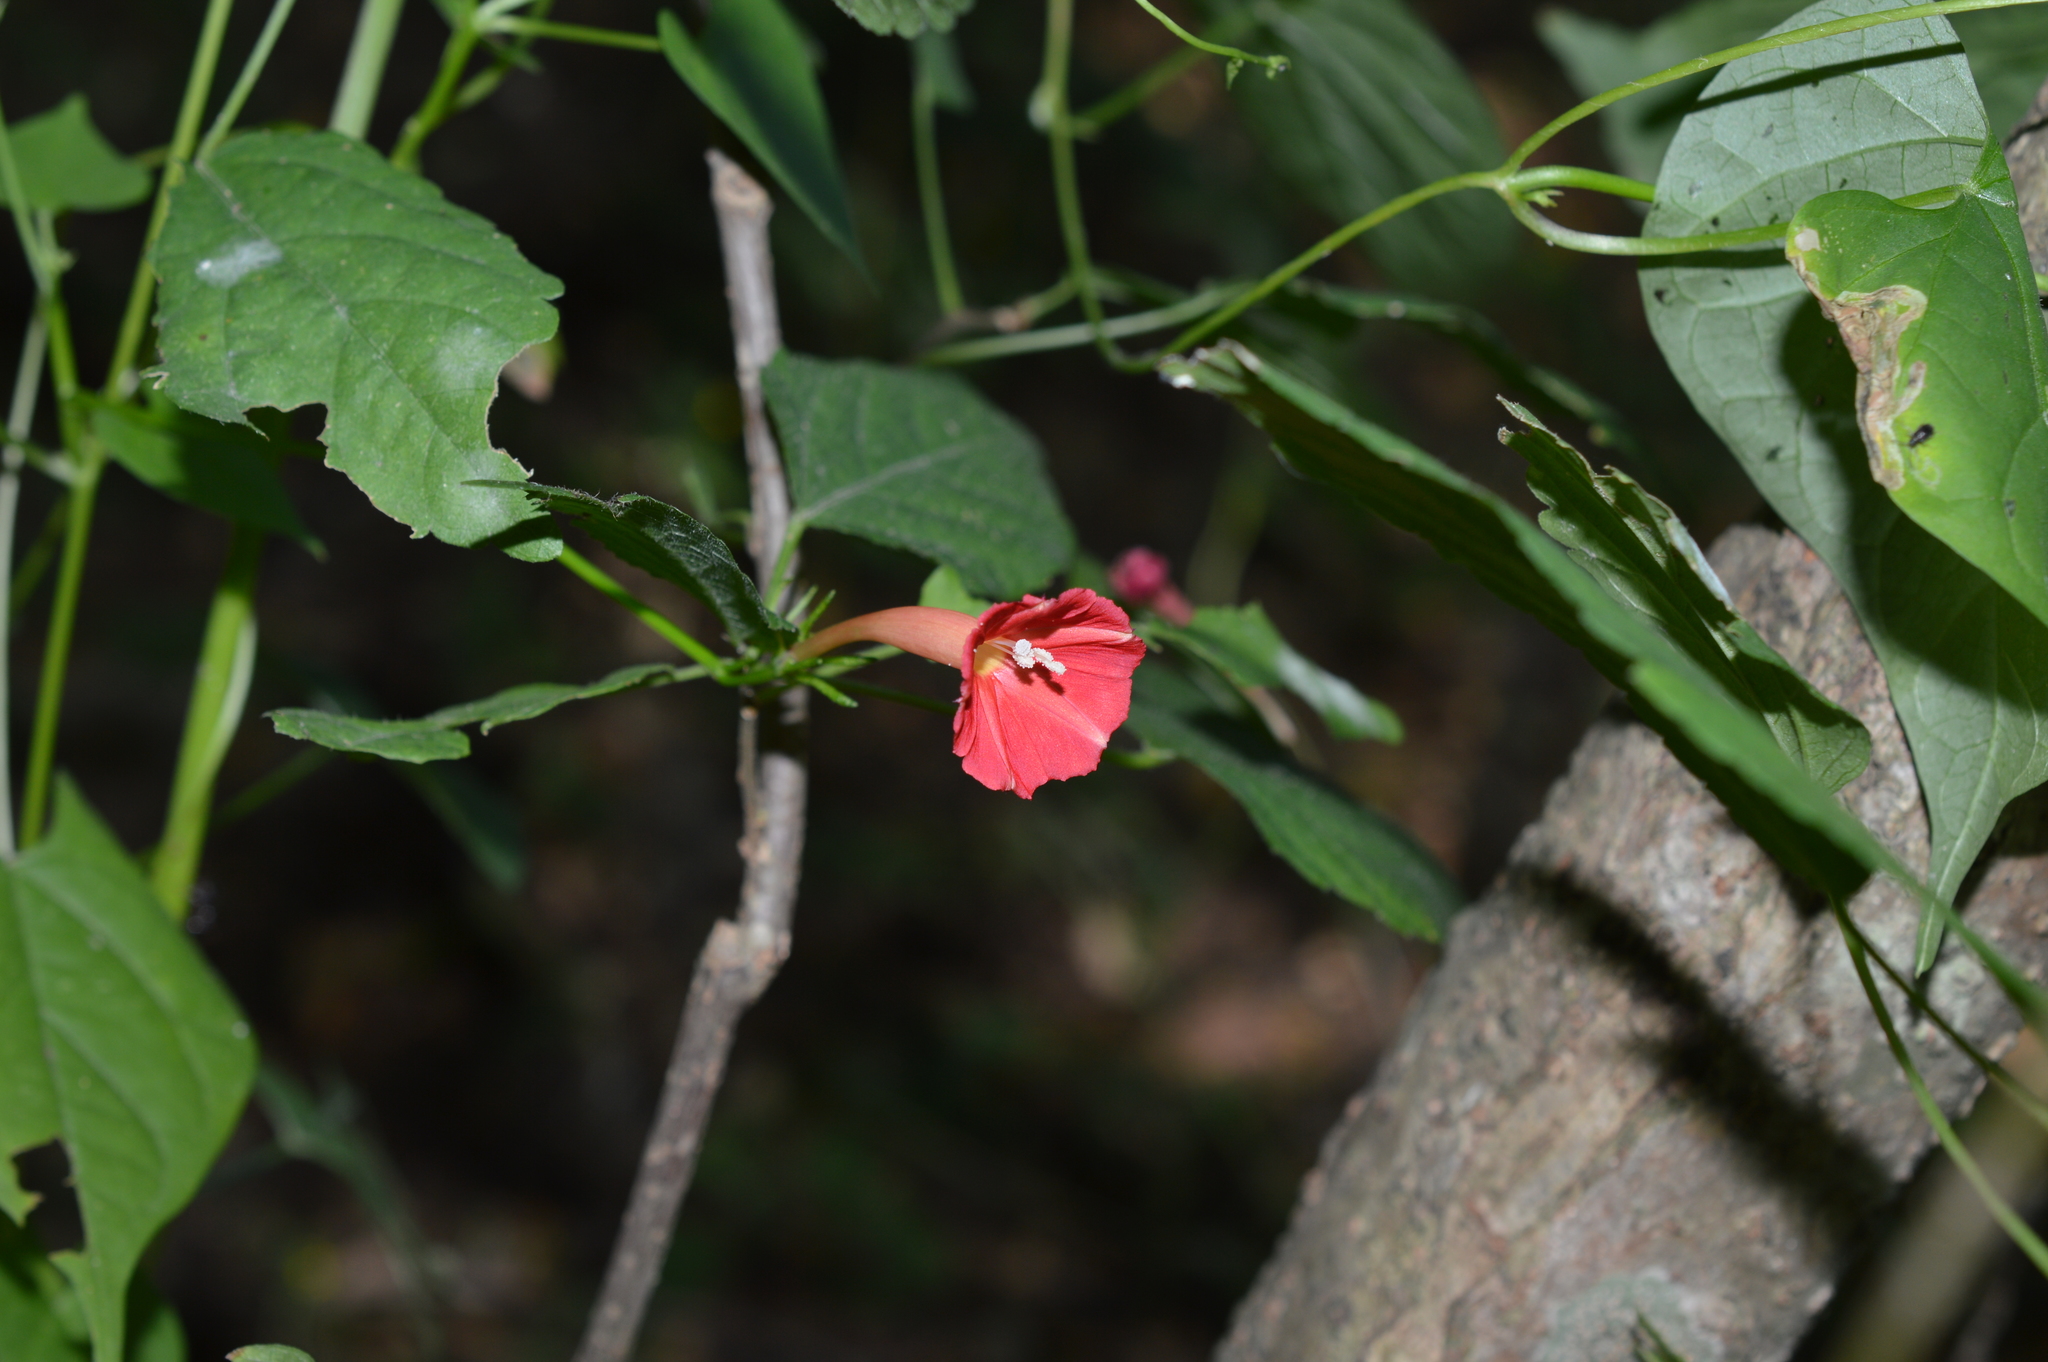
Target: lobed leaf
{"x": 905, "y": 18}
{"x": 919, "y": 461}
{"x": 1720, "y": 739}
{"x": 1890, "y": 110}
{"x": 659, "y": 539}
{"x": 1371, "y": 106}
{"x": 1334, "y": 842}
{"x": 65, "y": 164}
{"x": 1241, "y": 642}
{"x": 301, "y": 267}
{"x": 116, "y": 1039}
{"x": 229, "y": 470}
{"x": 437, "y": 736}
{"x": 752, "y": 69}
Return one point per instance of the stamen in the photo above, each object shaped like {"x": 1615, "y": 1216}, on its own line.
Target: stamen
{"x": 1026, "y": 656}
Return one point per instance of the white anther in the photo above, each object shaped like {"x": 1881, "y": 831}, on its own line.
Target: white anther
{"x": 1027, "y": 656}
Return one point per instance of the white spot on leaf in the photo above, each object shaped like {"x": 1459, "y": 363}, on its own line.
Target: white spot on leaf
{"x": 231, "y": 266}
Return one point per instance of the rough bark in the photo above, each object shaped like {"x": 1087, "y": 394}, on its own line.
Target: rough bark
{"x": 1644, "y": 1079}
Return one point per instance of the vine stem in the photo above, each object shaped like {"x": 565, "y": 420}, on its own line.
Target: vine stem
{"x": 440, "y": 100}
{"x": 2001, "y": 1210}
{"x": 924, "y": 137}
{"x": 661, "y": 624}
{"x": 184, "y": 137}
{"x": 363, "y": 75}
{"x": 238, "y": 95}
{"x": 220, "y": 688}
{"x": 28, "y": 379}
{"x": 1236, "y": 55}
{"x": 744, "y": 951}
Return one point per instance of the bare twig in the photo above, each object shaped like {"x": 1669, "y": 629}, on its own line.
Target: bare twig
{"x": 743, "y": 211}
{"x": 744, "y": 951}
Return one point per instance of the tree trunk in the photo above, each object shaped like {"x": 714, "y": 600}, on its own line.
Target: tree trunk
{"x": 1644, "y": 1080}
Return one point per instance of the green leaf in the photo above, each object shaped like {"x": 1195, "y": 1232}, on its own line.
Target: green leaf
{"x": 64, "y": 163}
{"x": 301, "y": 267}
{"x": 1597, "y": 56}
{"x": 392, "y": 739}
{"x": 1334, "y": 842}
{"x": 1241, "y": 642}
{"x": 659, "y": 539}
{"x": 1636, "y": 548}
{"x": 752, "y": 69}
{"x": 1372, "y": 105}
{"x": 436, "y": 737}
{"x": 943, "y": 590}
{"x": 29, "y": 1290}
{"x": 229, "y": 470}
{"x": 1789, "y": 814}
{"x": 920, "y": 461}
{"x": 268, "y": 1352}
{"x": 1967, "y": 664}
{"x": 1931, "y": 303}
{"x": 116, "y": 1039}
{"x": 905, "y": 18}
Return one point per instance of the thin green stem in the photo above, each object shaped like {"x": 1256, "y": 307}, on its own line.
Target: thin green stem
{"x": 1274, "y": 64}
{"x": 1051, "y": 103}
{"x": 574, "y": 33}
{"x": 220, "y": 688}
{"x": 1830, "y": 29}
{"x": 898, "y": 697}
{"x": 440, "y": 101}
{"x": 40, "y": 266}
{"x": 1594, "y": 243}
{"x": 42, "y": 747}
{"x": 259, "y": 57}
{"x": 924, "y": 137}
{"x": 661, "y": 624}
{"x": 1081, "y": 333}
{"x": 1091, "y": 121}
{"x": 185, "y": 136}
{"x": 1322, "y": 250}
{"x": 42, "y": 551}
{"x": 28, "y": 381}
{"x": 271, "y": 784}
{"x": 2009, "y": 1220}
{"x": 1991, "y": 1068}
{"x": 363, "y": 76}
{"x": 1532, "y": 180}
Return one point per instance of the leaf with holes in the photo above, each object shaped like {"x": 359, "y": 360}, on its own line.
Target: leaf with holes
{"x": 115, "y": 1039}
{"x": 1889, "y": 110}
{"x": 1333, "y": 841}
{"x": 919, "y": 461}
{"x": 752, "y": 68}
{"x": 64, "y": 163}
{"x": 1931, "y": 303}
{"x": 301, "y": 267}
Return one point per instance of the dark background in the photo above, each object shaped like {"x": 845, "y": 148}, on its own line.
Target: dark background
{"x": 1039, "y": 1079}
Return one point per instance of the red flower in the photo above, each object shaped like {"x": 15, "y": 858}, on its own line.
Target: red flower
{"x": 1043, "y": 682}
